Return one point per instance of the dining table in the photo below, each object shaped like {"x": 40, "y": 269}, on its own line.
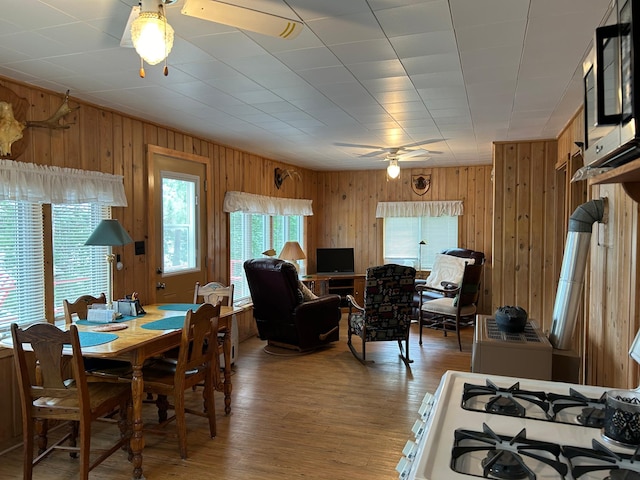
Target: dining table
{"x": 136, "y": 339}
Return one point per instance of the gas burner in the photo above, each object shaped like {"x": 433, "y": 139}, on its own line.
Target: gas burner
{"x": 505, "y": 406}
{"x": 576, "y": 407}
{"x": 505, "y": 465}
{"x": 619, "y": 466}
{"x": 489, "y": 455}
{"x": 623, "y": 475}
{"x": 504, "y": 401}
{"x": 591, "y": 417}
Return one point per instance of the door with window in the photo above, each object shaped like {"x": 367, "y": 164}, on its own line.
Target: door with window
{"x": 178, "y": 225}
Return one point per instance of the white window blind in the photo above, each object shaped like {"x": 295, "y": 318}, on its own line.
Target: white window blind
{"x": 21, "y": 264}
{"x": 77, "y": 269}
{"x": 252, "y": 234}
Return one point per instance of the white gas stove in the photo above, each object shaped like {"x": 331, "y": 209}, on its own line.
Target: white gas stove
{"x": 487, "y": 426}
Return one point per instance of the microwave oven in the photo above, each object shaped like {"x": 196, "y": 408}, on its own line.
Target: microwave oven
{"x": 611, "y": 74}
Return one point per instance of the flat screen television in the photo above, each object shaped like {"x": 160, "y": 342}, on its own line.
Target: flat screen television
{"x": 334, "y": 260}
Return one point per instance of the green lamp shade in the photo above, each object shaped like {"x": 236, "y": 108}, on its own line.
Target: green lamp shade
{"x": 109, "y": 233}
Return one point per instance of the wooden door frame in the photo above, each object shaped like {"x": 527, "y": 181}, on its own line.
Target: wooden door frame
{"x": 152, "y": 248}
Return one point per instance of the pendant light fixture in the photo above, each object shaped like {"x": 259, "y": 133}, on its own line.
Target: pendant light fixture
{"x": 151, "y": 34}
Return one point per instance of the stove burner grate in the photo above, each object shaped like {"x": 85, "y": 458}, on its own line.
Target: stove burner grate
{"x": 505, "y": 401}
{"x": 506, "y": 457}
{"x": 600, "y": 458}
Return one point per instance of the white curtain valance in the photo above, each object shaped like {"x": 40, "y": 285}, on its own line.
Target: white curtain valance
{"x": 419, "y": 209}
{"x": 30, "y": 182}
{"x": 252, "y": 203}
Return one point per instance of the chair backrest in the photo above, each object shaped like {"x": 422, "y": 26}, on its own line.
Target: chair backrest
{"x": 465, "y": 253}
{"x": 53, "y": 377}
{"x": 388, "y": 295}
{"x": 214, "y": 292}
{"x": 470, "y": 286}
{"x": 80, "y": 307}
{"x": 273, "y": 284}
{"x": 198, "y": 344}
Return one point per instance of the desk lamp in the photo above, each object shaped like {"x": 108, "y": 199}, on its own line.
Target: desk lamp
{"x": 109, "y": 233}
{"x": 292, "y": 252}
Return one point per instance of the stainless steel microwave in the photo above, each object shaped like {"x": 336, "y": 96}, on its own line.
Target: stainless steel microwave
{"x": 611, "y": 73}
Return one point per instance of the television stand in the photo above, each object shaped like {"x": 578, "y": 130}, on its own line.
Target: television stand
{"x": 342, "y": 284}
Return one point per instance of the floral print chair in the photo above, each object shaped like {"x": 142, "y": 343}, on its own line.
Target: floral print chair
{"x": 386, "y": 314}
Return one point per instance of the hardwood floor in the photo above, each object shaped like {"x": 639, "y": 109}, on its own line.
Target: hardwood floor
{"x": 319, "y": 416}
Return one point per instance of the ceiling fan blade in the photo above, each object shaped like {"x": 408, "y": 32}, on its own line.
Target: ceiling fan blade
{"x": 423, "y": 142}
{"x": 126, "y": 40}
{"x": 357, "y": 145}
{"x": 243, "y": 18}
{"x": 417, "y": 153}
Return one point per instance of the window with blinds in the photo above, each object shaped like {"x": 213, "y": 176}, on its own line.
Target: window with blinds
{"x": 252, "y": 234}
{"x": 402, "y": 237}
{"x": 21, "y": 264}
{"x": 77, "y": 269}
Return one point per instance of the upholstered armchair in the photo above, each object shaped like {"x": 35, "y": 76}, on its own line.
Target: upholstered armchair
{"x": 386, "y": 314}
{"x": 445, "y": 276}
{"x": 283, "y": 317}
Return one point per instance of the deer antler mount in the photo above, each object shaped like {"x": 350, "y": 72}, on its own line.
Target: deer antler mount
{"x": 280, "y": 174}
{"x": 13, "y": 123}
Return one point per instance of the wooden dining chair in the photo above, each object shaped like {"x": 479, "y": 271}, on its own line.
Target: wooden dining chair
{"x": 197, "y": 363}
{"x": 213, "y": 292}
{"x": 59, "y": 393}
{"x": 80, "y": 307}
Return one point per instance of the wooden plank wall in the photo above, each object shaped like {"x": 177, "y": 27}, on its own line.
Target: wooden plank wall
{"x": 345, "y": 210}
{"x": 524, "y": 241}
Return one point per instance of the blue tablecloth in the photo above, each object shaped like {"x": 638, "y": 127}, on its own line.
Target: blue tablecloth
{"x": 91, "y": 339}
{"x": 169, "y": 323}
{"x": 180, "y": 307}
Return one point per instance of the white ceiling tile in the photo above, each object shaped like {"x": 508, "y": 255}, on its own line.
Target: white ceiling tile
{"x": 349, "y": 28}
{"x": 366, "y": 51}
{"x": 417, "y": 18}
{"x": 469, "y": 71}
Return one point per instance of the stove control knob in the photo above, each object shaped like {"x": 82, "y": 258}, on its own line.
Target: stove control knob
{"x": 418, "y": 428}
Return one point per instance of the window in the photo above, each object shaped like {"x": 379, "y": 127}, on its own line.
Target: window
{"x": 251, "y": 234}
{"x": 21, "y": 263}
{"x": 402, "y": 237}
{"x": 77, "y": 270}
{"x": 179, "y": 222}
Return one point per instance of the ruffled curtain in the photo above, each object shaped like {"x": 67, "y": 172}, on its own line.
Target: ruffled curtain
{"x": 44, "y": 184}
{"x": 449, "y": 208}
{"x": 260, "y": 204}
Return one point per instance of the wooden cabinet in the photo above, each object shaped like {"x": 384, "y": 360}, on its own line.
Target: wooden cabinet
{"x": 342, "y": 285}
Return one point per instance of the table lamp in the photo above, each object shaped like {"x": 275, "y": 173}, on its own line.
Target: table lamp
{"x": 109, "y": 233}
{"x": 292, "y": 252}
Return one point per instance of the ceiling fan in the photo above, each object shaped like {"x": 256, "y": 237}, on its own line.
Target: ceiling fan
{"x": 393, "y": 155}
{"x": 161, "y": 33}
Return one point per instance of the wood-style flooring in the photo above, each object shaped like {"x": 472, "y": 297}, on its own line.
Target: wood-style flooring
{"x": 320, "y": 416}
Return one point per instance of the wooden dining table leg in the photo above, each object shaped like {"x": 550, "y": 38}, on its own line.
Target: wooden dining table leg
{"x": 137, "y": 439}
{"x": 226, "y": 350}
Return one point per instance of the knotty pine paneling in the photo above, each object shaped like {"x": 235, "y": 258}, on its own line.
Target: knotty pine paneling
{"x": 523, "y": 226}
{"x": 345, "y": 211}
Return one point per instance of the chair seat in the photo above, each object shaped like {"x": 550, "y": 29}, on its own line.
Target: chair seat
{"x": 444, "y": 306}
{"x": 100, "y": 394}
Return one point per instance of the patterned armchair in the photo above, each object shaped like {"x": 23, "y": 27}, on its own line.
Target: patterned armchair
{"x": 386, "y": 314}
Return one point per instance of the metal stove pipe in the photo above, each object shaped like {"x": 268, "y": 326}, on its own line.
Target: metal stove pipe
{"x": 574, "y": 262}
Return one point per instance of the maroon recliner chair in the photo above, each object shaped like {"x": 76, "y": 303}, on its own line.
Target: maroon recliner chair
{"x": 282, "y": 316}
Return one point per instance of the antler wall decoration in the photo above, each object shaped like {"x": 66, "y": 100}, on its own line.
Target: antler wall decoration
{"x": 13, "y": 110}
{"x": 53, "y": 121}
{"x": 280, "y": 174}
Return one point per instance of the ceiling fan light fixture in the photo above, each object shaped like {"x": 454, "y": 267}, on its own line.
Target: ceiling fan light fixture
{"x": 393, "y": 169}
{"x": 152, "y": 36}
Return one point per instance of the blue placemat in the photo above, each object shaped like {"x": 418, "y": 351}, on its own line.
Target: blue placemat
{"x": 169, "y": 323}
{"x": 91, "y": 339}
{"x": 124, "y": 318}
{"x": 180, "y": 307}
